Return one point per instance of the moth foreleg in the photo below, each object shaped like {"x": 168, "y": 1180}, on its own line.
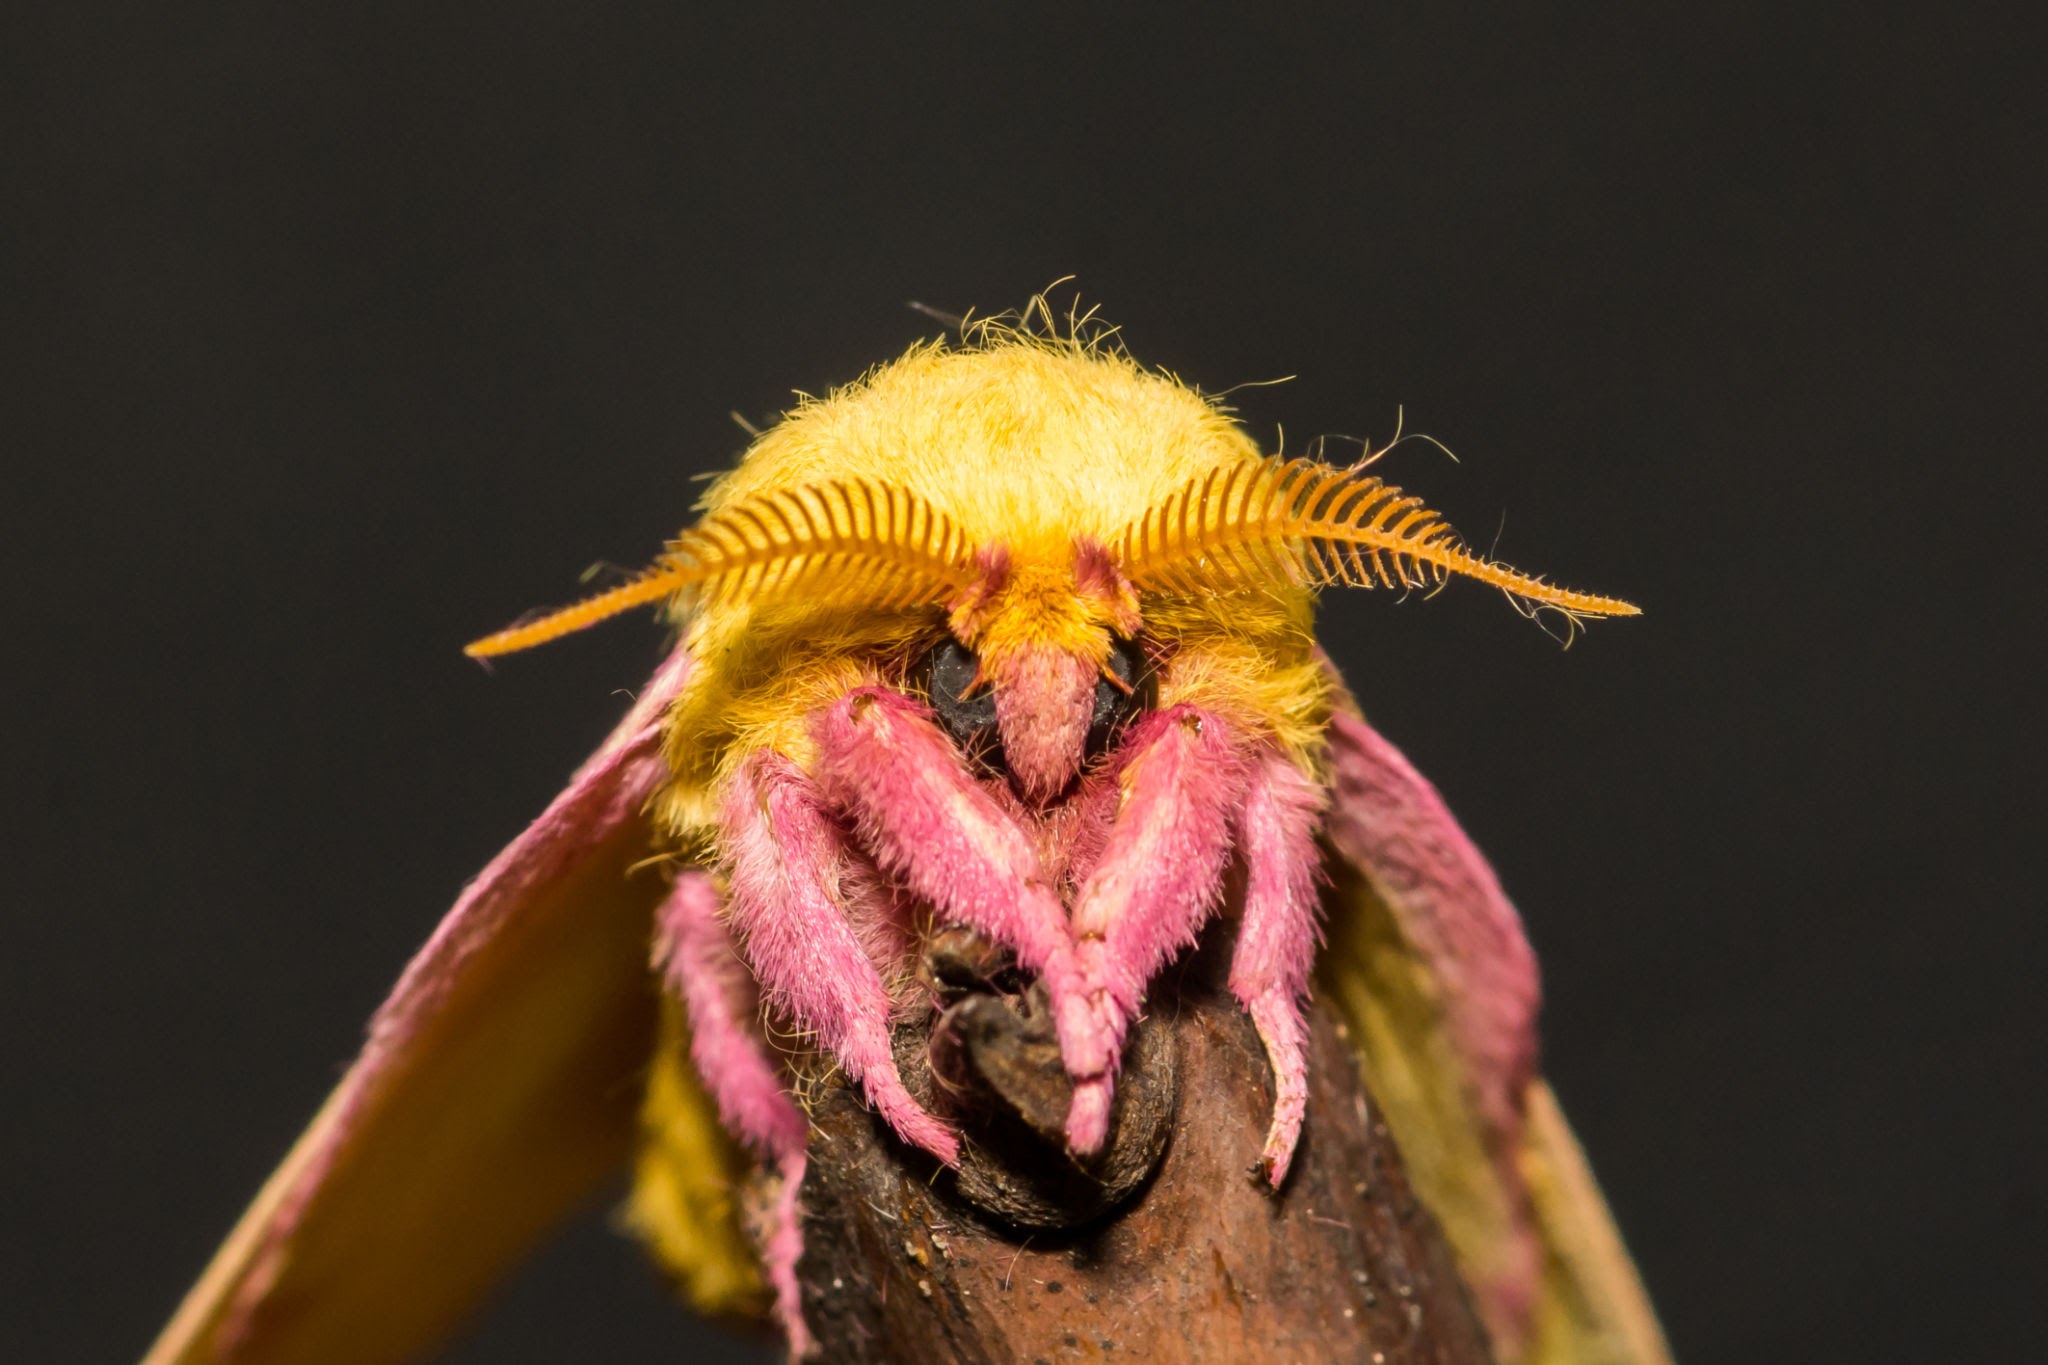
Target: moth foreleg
{"x": 1156, "y": 882}
{"x": 884, "y": 760}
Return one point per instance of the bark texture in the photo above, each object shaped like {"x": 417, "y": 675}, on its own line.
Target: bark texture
{"x": 1165, "y": 1249}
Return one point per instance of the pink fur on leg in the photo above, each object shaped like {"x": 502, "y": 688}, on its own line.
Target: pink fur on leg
{"x": 783, "y": 853}
{"x": 884, "y": 760}
{"x": 1148, "y": 895}
{"x": 1276, "y": 946}
{"x": 699, "y": 966}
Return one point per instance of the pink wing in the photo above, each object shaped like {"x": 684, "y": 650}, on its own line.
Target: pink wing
{"x": 1428, "y": 964}
{"x": 499, "y": 1084}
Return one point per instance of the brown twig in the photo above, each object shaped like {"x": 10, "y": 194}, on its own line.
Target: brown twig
{"x": 1165, "y": 1249}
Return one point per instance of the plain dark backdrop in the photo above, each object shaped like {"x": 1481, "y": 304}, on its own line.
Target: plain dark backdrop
{"x": 342, "y": 333}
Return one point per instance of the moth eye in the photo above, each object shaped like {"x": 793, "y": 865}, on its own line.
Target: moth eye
{"x": 1115, "y": 706}
{"x": 949, "y": 672}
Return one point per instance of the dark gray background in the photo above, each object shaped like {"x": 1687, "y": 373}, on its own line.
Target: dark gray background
{"x": 342, "y": 333}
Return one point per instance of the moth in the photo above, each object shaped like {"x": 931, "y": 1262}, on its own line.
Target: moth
{"x": 1013, "y": 636}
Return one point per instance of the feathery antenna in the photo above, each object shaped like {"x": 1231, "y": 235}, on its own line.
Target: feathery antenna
{"x": 1303, "y": 522}
{"x": 841, "y": 542}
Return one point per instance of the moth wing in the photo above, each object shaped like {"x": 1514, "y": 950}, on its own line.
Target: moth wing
{"x": 1593, "y": 1306}
{"x": 1428, "y": 965}
{"x": 498, "y": 1086}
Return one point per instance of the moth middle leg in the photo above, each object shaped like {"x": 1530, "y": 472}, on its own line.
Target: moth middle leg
{"x": 784, "y": 853}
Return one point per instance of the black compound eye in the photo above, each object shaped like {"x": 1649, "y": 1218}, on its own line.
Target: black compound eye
{"x": 1114, "y": 705}
{"x": 950, "y": 670}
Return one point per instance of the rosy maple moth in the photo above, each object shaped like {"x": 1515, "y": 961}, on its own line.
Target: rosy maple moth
{"x": 1012, "y": 634}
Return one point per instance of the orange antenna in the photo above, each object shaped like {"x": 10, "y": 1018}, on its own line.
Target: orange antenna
{"x": 838, "y": 543}
{"x": 1308, "y": 523}
{"x": 649, "y": 587}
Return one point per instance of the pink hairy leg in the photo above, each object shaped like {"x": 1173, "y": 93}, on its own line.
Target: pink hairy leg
{"x": 699, "y": 965}
{"x": 885, "y": 761}
{"x": 1146, "y": 898}
{"x": 782, "y": 853}
{"x": 1276, "y": 946}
